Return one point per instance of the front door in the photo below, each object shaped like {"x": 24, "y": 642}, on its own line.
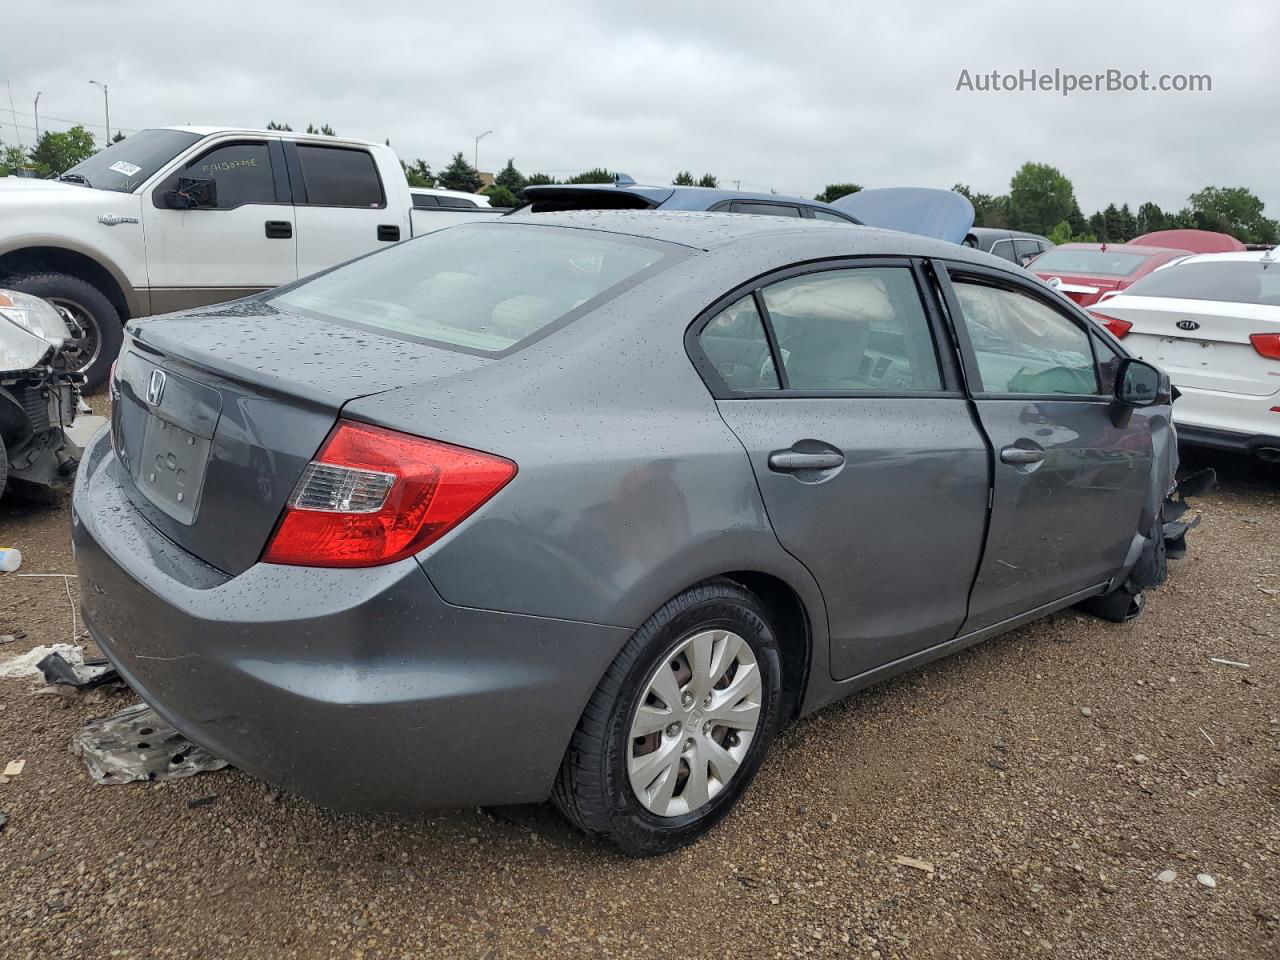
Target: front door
{"x": 241, "y": 242}
{"x": 872, "y": 470}
{"x": 1069, "y": 485}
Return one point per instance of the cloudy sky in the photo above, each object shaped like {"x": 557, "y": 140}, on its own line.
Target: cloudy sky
{"x": 784, "y": 96}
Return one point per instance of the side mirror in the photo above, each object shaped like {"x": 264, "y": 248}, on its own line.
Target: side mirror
{"x": 192, "y": 193}
{"x": 1140, "y": 384}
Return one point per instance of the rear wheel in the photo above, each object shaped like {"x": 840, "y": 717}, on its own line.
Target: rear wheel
{"x": 678, "y": 726}
{"x": 101, "y": 331}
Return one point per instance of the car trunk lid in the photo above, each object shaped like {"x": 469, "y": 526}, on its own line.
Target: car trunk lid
{"x": 216, "y": 413}
{"x": 1081, "y": 288}
{"x": 1201, "y": 344}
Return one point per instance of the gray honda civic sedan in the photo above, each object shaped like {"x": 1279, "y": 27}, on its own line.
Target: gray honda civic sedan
{"x": 587, "y": 505}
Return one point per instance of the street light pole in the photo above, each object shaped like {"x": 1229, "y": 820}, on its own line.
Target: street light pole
{"x": 476, "y": 158}
{"x": 106, "y": 105}
{"x": 37, "y": 109}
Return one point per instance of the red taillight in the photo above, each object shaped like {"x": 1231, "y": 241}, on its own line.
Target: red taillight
{"x": 1119, "y": 328}
{"x": 1267, "y": 344}
{"x": 372, "y": 496}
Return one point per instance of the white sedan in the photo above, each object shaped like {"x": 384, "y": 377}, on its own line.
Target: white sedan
{"x": 1212, "y": 321}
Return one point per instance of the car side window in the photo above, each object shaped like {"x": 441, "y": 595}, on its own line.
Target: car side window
{"x": 1002, "y": 249}
{"x": 241, "y": 172}
{"x": 1108, "y": 364}
{"x": 855, "y": 330}
{"x": 828, "y": 215}
{"x": 1026, "y": 250}
{"x": 769, "y": 209}
{"x": 735, "y": 342}
{"x": 340, "y": 177}
{"x": 1024, "y": 346}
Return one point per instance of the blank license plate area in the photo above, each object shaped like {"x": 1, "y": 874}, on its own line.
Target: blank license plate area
{"x": 171, "y": 469}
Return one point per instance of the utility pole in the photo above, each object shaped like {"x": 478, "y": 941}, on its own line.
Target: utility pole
{"x": 476, "y": 158}
{"x": 37, "y": 109}
{"x": 106, "y": 104}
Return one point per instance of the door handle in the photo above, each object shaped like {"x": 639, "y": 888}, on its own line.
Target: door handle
{"x": 787, "y": 461}
{"x": 1021, "y": 455}
{"x": 389, "y": 232}
{"x": 279, "y": 229}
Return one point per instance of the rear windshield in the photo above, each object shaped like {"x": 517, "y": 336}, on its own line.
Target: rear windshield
{"x": 1233, "y": 281}
{"x": 1100, "y": 263}
{"x": 482, "y": 288}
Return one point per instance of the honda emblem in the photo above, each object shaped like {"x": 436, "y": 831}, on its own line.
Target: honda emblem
{"x": 155, "y": 388}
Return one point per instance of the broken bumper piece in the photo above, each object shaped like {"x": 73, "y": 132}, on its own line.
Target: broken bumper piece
{"x": 136, "y": 744}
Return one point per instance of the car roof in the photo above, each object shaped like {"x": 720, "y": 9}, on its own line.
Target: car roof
{"x": 205, "y": 131}
{"x": 1121, "y": 248}
{"x": 704, "y": 230}
{"x": 1244, "y": 255}
{"x": 698, "y": 197}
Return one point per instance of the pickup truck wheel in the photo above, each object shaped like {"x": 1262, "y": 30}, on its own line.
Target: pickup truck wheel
{"x": 678, "y": 726}
{"x": 102, "y": 331}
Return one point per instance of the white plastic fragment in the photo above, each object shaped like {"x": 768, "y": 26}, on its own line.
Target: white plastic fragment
{"x": 1206, "y": 881}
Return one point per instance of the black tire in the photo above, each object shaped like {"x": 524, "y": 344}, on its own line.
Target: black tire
{"x": 4, "y": 467}
{"x": 593, "y": 789}
{"x": 94, "y": 308}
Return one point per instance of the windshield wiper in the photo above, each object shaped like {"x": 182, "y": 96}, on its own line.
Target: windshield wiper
{"x": 74, "y": 178}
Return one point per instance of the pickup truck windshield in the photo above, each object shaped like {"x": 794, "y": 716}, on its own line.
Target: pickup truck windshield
{"x": 123, "y": 166}
{"x": 483, "y": 288}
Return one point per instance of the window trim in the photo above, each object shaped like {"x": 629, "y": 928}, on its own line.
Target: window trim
{"x": 299, "y": 181}
{"x": 279, "y": 180}
{"x": 949, "y": 271}
{"x": 942, "y": 345}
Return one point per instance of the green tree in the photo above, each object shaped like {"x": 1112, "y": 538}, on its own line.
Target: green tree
{"x": 1040, "y": 197}
{"x": 500, "y": 196}
{"x": 272, "y": 125}
{"x": 1075, "y": 219}
{"x": 460, "y": 175}
{"x": 988, "y": 211}
{"x": 324, "y": 131}
{"x": 683, "y": 179}
{"x": 834, "y": 191}
{"x": 1233, "y": 210}
{"x": 1151, "y": 218}
{"x": 1062, "y": 233}
{"x": 511, "y": 179}
{"x": 1127, "y": 224}
{"x": 536, "y": 180}
{"x": 56, "y": 153}
{"x": 419, "y": 173}
{"x": 1098, "y": 226}
{"x": 709, "y": 180}
{"x": 594, "y": 175}
{"x": 12, "y": 159}
{"x": 1111, "y": 232}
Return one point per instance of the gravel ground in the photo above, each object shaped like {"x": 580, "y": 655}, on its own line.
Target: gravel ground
{"x": 1050, "y": 776}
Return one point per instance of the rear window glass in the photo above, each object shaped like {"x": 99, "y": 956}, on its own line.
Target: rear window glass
{"x": 1232, "y": 281}
{"x": 483, "y": 288}
{"x": 1101, "y": 263}
{"x": 337, "y": 177}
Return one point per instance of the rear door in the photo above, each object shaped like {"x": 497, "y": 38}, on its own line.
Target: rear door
{"x": 1069, "y": 485}
{"x": 342, "y": 206}
{"x": 872, "y": 470}
{"x": 240, "y": 243}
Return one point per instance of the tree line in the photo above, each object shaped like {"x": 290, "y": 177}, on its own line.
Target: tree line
{"x": 1041, "y": 199}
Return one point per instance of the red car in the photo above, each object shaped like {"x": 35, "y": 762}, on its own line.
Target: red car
{"x": 1086, "y": 272}
{"x": 1197, "y": 241}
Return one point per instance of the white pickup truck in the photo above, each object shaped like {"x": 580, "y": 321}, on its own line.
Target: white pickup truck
{"x": 178, "y": 217}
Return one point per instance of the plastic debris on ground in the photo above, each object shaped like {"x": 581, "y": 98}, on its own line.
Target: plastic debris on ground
{"x": 136, "y": 744}
{"x": 74, "y": 670}
{"x": 25, "y": 665}
{"x": 14, "y": 767}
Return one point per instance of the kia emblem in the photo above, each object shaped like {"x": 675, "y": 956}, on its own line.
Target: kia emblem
{"x": 1187, "y": 325}
{"x": 155, "y": 388}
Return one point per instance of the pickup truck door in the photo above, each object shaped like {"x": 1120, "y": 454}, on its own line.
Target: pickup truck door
{"x": 1069, "y": 485}
{"x": 239, "y": 244}
{"x": 342, "y": 204}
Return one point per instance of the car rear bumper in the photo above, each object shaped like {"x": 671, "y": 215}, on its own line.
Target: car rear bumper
{"x": 360, "y": 689}
{"x": 1227, "y": 440}
{"x": 1227, "y": 421}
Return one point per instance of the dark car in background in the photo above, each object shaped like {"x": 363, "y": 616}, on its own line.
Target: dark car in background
{"x": 1090, "y": 272}
{"x": 626, "y": 194}
{"x": 587, "y": 505}
{"x": 1012, "y": 245}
